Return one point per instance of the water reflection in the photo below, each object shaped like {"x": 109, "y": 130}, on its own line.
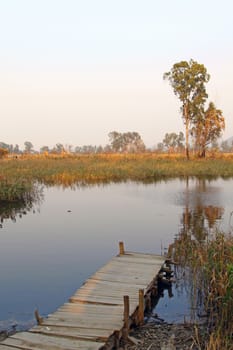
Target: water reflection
{"x": 200, "y": 218}
{"x": 11, "y": 210}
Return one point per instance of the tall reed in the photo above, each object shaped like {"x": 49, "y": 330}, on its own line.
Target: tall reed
{"x": 211, "y": 263}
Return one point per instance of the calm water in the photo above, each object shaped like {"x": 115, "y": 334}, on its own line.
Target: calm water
{"x": 48, "y": 252}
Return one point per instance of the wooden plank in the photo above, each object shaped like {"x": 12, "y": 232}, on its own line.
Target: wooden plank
{"x": 132, "y": 277}
{"x": 129, "y": 265}
{"x": 106, "y": 284}
{"x": 101, "y": 301}
{"x": 84, "y": 322}
{"x": 75, "y": 316}
{"x": 57, "y": 323}
{"x": 26, "y": 340}
{"x": 92, "y": 284}
{"x": 142, "y": 255}
{"x": 106, "y": 294}
{"x": 133, "y": 303}
{"x": 87, "y": 314}
{"x": 139, "y": 277}
{"x": 99, "y": 287}
{"x": 92, "y": 323}
{"x": 93, "y": 312}
{"x": 112, "y": 277}
{"x": 132, "y": 262}
{"x": 90, "y": 308}
{"x": 73, "y": 332}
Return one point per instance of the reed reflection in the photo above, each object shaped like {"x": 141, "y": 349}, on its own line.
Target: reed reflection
{"x": 13, "y": 209}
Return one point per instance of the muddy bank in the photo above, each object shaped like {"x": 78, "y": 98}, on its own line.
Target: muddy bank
{"x": 167, "y": 337}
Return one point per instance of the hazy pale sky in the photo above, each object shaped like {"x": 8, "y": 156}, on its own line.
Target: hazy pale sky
{"x": 71, "y": 71}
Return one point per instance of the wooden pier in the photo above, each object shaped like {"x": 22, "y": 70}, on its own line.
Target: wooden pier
{"x": 100, "y": 313}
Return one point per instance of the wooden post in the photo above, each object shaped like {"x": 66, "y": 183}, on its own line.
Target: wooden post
{"x": 39, "y": 319}
{"x": 141, "y": 307}
{"x": 126, "y": 317}
{"x": 121, "y": 248}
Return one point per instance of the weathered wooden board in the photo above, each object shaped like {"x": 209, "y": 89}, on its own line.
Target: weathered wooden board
{"x": 27, "y": 340}
{"x": 72, "y": 332}
{"x": 96, "y": 310}
{"x": 91, "y": 308}
{"x": 87, "y": 322}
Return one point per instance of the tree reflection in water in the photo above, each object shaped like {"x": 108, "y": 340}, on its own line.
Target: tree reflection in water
{"x": 199, "y": 219}
{"x": 199, "y": 224}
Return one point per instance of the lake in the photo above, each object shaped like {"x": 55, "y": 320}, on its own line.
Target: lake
{"x": 49, "y": 250}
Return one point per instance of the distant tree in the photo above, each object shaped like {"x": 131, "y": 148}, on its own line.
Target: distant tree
{"x": 88, "y": 149}
{"x": 68, "y": 148}
{"x": 169, "y": 141}
{"x": 78, "y": 149}
{"x": 225, "y": 146}
{"x": 107, "y": 149}
{"x": 180, "y": 141}
{"x": 4, "y": 146}
{"x": 44, "y": 149}
{"x": 128, "y": 142}
{"x": 160, "y": 147}
{"x": 214, "y": 145}
{"x": 116, "y": 141}
{"x": 99, "y": 149}
{"x": 10, "y": 148}
{"x": 59, "y": 148}
{"x": 16, "y": 149}
{"x": 28, "y": 147}
{"x": 208, "y": 128}
{"x": 188, "y": 82}
{"x": 173, "y": 142}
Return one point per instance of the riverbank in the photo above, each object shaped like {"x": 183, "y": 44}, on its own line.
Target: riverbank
{"x": 165, "y": 336}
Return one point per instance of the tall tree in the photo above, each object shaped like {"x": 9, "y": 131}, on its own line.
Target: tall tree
{"x": 28, "y": 147}
{"x": 188, "y": 82}
{"x": 208, "y": 128}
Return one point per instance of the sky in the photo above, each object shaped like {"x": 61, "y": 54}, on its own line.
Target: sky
{"x": 71, "y": 71}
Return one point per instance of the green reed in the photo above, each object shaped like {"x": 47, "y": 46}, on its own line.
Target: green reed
{"x": 15, "y": 189}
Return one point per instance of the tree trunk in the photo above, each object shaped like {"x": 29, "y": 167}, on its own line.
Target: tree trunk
{"x": 186, "y": 118}
{"x": 202, "y": 153}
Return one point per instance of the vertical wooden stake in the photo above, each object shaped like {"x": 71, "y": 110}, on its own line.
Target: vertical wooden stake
{"x": 39, "y": 319}
{"x": 121, "y": 248}
{"x": 126, "y": 316}
{"x": 141, "y": 307}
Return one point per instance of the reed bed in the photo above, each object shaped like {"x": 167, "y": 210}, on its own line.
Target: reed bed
{"x": 211, "y": 266}
{"x": 17, "y": 175}
{"x": 15, "y": 189}
{"x": 112, "y": 167}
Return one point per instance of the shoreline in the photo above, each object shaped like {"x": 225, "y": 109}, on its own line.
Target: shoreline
{"x": 167, "y": 336}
